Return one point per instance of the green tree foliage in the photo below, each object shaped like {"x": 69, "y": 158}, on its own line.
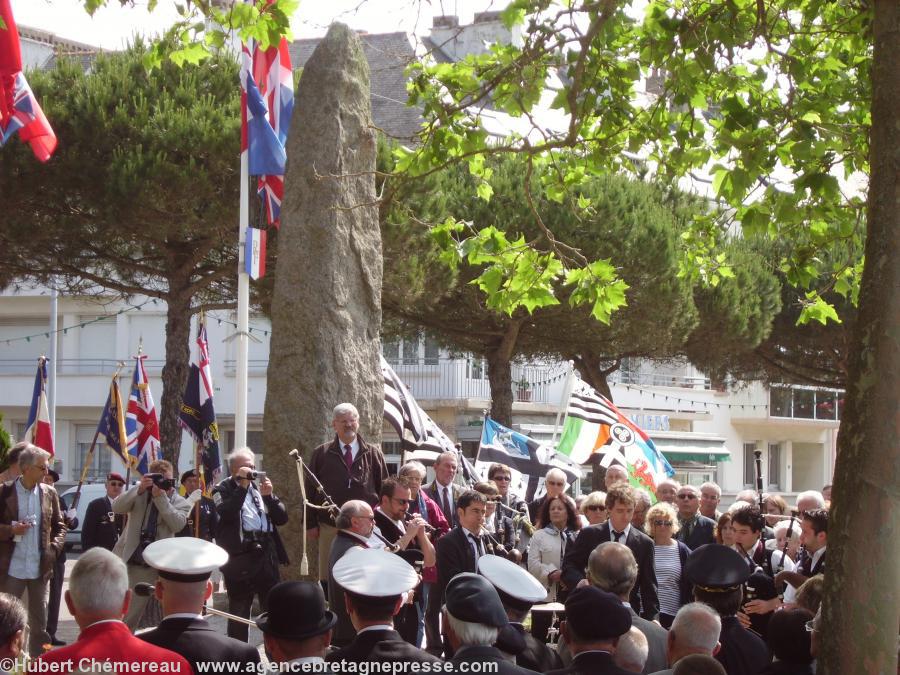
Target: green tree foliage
{"x": 5, "y": 445}
{"x": 140, "y": 197}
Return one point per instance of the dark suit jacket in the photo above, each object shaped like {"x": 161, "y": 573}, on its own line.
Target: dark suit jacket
{"x": 381, "y": 645}
{"x": 702, "y": 533}
{"x": 455, "y": 490}
{"x": 454, "y": 555}
{"x": 229, "y": 497}
{"x": 198, "y": 642}
{"x": 591, "y": 663}
{"x": 482, "y": 654}
{"x": 742, "y": 652}
{"x": 209, "y": 520}
{"x": 98, "y": 529}
{"x": 644, "y": 592}
{"x": 343, "y": 630}
{"x": 52, "y": 535}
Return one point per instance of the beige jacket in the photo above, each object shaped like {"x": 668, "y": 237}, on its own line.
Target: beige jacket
{"x": 173, "y": 515}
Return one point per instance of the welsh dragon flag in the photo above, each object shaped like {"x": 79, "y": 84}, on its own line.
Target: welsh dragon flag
{"x": 594, "y": 425}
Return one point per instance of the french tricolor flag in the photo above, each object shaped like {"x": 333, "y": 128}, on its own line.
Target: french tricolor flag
{"x": 38, "y": 429}
{"x": 255, "y": 253}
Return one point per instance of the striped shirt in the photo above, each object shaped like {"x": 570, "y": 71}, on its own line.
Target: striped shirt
{"x": 668, "y": 578}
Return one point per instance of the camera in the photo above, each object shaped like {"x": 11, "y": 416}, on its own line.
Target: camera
{"x": 256, "y": 475}
{"x": 161, "y": 481}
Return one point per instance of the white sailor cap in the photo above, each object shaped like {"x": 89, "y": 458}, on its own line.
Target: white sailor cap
{"x": 185, "y": 559}
{"x": 374, "y": 573}
{"x": 517, "y": 588}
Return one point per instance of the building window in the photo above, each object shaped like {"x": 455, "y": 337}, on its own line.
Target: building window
{"x": 432, "y": 352}
{"x": 780, "y": 398}
{"x": 749, "y": 464}
{"x": 804, "y": 403}
{"x": 101, "y": 461}
{"x": 254, "y": 442}
{"x": 774, "y": 477}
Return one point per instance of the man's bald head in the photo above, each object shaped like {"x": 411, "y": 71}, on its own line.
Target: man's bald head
{"x": 612, "y": 568}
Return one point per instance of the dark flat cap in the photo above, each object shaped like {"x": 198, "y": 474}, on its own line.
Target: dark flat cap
{"x": 191, "y": 473}
{"x": 595, "y": 614}
{"x": 472, "y": 598}
{"x": 715, "y": 567}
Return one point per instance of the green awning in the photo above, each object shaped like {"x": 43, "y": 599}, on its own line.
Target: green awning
{"x": 693, "y": 450}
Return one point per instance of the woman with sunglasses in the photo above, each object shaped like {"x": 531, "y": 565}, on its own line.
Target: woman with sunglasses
{"x": 593, "y": 508}
{"x": 670, "y": 558}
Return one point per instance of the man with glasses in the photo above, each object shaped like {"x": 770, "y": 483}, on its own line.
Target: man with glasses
{"x": 355, "y": 524}
{"x": 696, "y": 529}
{"x": 101, "y": 526}
{"x": 555, "y": 483}
{"x": 710, "y": 496}
{"x": 32, "y": 535}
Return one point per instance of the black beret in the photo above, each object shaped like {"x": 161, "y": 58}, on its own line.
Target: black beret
{"x": 594, "y": 614}
{"x": 191, "y": 473}
{"x": 472, "y": 598}
{"x": 715, "y": 567}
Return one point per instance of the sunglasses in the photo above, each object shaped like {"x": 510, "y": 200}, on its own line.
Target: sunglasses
{"x": 404, "y": 501}
{"x": 505, "y": 479}
{"x": 662, "y": 523}
{"x": 596, "y": 507}
{"x": 115, "y": 483}
{"x": 687, "y": 496}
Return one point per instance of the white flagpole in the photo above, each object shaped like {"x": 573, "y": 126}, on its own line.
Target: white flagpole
{"x": 51, "y": 376}
{"x": 567, "y": 392}
{"x": 243, "y": 312}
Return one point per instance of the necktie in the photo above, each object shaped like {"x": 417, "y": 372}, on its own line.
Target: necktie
{"x": 617, "y": 535}
{"x": 477, "y": 544}
{"x": 445, "y": 505}
{"x": 348, "y": 456}
{"x": 806, "y": 565}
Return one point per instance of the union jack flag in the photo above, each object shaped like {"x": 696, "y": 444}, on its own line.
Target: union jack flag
{"x": 143, "y": 429}
{"x": 267, "y": 101}
{"x": 19, "y": 109}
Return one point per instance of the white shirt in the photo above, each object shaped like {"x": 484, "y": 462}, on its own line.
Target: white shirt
{"x": 253, "y": 516}
{"x": 624, "y": 538}
{"x": 380, "y": 626}
{"x": 354, "y": 447}
{"x": 476, "y": 545}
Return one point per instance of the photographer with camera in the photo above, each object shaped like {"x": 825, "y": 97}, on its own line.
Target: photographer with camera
{"x": 249, "y": 514}
{"x": 155, "y": 511}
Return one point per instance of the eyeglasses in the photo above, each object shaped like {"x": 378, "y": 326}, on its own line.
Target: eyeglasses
{"x": 403, "y": 501}
{"x": 596, "y": 507}
{"x": 687, "y": 496}
{"x": 115, "y": 483}
{"x": 662, "y": 523}
{"x": 504, "y": 479}
{"x": 372, "y": 518}
{"x": 554, "y": 482}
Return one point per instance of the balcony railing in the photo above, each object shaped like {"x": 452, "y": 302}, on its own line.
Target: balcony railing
{"x": 77, "y": 366}
{"x": 659, "y": 380}
{"x": 807, "y": 403}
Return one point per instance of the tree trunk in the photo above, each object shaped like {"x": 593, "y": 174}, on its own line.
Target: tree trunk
{"x": 861, "y": 607}
{"x": 500, "y": 374}
{"x": 590, "y": 368}
{"x": 175, "y": 370}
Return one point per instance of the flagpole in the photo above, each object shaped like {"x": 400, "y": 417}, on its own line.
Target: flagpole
{"x": 51, "y": 376}
{"x": 243, "y": 312}
{"x": 564, "y": 403}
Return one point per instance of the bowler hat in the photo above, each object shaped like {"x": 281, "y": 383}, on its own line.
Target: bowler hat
{"x": 296, "y": 611}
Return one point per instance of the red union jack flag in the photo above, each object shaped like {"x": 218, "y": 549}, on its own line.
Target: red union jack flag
{"x": 143, "y": 437}
{"x": 19, "y": 109}
{"x": 267, "y": 101}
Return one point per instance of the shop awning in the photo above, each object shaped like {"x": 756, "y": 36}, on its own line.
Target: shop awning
{"x": 688, "y": 448}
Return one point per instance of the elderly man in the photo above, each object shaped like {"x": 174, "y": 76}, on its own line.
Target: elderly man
{"x": 612, "y": 568}
{"x": 555, "y": 484}
{"x": 297, "y": 628}
{"x": 710, "y": 496}
{"x": 809, "y": 500}
{"x": 696, "y": 529}
{"x": 474, "y": 616}
{"x": 97, "y": 598}
{"x": 249, "y": 517}
{"x": 32, "y": 535}
{"x": 616, "y": 473}
{"x": 355, "y": 523}
{"x": 101, "y": 526}
{"x": 695, "y": 630}
{"x": 666, "y": 490}
{"x": 631, "y": 652}
{"x": 620, "y": 505}
{"x": 641, "y": 504}
{"x": 184, "y": 565}
{"x": 595, "y": 622}
{"x": 442, "y": 490}
{"x": 155, "y": 511}
{"x": 348, "y": 468}
{"x": 372, "y": 600}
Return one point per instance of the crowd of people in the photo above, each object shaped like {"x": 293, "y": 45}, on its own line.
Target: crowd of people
{"x": 619, "y": 581}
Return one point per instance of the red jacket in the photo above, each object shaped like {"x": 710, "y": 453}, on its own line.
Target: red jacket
{"x": 111, "y": 641}
{"x": 435, "y": 518}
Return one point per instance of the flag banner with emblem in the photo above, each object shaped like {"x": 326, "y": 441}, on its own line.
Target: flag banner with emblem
{"x": 114, "y": 426}
{"x": 528, "y": 460}
{"x": 421, "y": 439}
{"x": 255, "y": 253}
{"x": 19, "y": 110}
{"x": 595, "y": 426}
{"x": 267, "y": 102}
{"x": 37, "y": 428}
{"x": 198, "y": 416}
{"x": 143, "y": 437}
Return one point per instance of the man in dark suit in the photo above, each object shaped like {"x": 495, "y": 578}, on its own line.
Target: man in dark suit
{"x": 297, "y": 627}
{"x": 249, "y": 517}
{"x": 442, "y": 490}
{"x": 620, "y": 506}
{"x": 718, "y": 574}
{"x": 612, "y": 568}
{"x": 457, "y": 551}
{"x": 518, "y": 591}
{"x": 102, "y": 527}
{"x": 696, "y": 529}
{"x": 474, "y": 617}
{"x": 184, "y": 565}
{"x": 595, "y": 620}
{"x": 206, "y": 507}
{"x": 355, "y": 524}
{"x": 376, "y": 584}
